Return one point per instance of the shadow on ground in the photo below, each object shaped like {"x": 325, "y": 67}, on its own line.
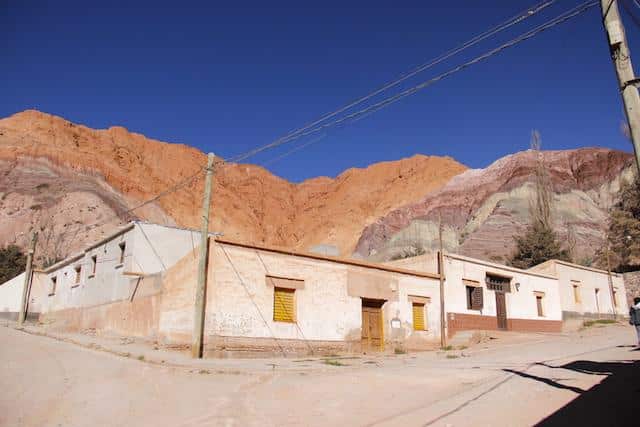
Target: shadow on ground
{"x": 612, "y": 402}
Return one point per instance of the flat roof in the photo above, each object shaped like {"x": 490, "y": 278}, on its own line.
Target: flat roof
{"x": 498, "y": 266}
{"x": 573, "y": 265}
{"x": 340, "y": 260}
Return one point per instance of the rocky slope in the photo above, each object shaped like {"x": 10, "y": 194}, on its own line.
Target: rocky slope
{"x": 483, "y": 209}
{"x": 61, "y": 178}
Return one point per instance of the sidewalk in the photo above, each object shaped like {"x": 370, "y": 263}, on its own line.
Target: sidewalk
{"x": 144, "y": 351}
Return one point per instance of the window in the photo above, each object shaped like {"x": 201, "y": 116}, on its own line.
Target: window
{"x": 576, "y": 293}
{"x": 615, "y": 297}
{"x": 94, "y": 265}
{"x": 598, "y": 300}
{"x": 418, "y": 317}
{"x": 498, "y": 283}
{"x": 474, "y": 298}
{"x": 78, "y": 270}
{"x": 52, "y": 286}
{"x": 539, "y": 305}
{"x": 122, "y": 247}
{"x": 284, "y": 305}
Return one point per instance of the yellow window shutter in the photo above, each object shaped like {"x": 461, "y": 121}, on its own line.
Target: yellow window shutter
{"x": 283, "y": 305}
{"x": 418, "y": 317}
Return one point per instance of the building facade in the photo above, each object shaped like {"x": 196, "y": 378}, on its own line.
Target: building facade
{"x": 141, "y": 281}
{"x": 585, "y": 293}
{"x": 481, "y": 295}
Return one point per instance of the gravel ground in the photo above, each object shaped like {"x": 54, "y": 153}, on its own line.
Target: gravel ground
{"x": 591, "y": 377}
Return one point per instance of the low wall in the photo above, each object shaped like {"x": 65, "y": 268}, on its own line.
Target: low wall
{"x": 470, "y": 322}
{"x": 222, "y": 346}
{"x": 138, "y": 318}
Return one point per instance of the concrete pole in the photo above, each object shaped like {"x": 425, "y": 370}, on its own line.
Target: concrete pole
{"x": 443, "y": 317}
{"x": 27, "y": 279}
{"x": 621, "y": 57}
{"x": 198, "y": 318}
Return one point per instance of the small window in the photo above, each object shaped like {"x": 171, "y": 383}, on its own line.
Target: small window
{"x": 78, "y": 270}
{"x": 94, "y": 264}
{"x": 598, "y": 300}
{"x": 419, "y": 323}
{"x": 615, "y": 297}
{"x": 576, "y": 294}
{"x": 475, "y": 299}
{"x": 52, "y": 286}
{"x": 122, "y": 246}
{"x": 498, "y": 283}
{"x": 539, "y": 305}
{"x": 284, "y": 305}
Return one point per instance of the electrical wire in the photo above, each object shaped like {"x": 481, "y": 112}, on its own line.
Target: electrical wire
{"x": 583, "y": 7}
{"x": 516, "y": 19}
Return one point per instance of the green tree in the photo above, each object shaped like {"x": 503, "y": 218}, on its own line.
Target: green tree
{"x": 624, "y": 228}
{"x": 539, "y": 243}
{"x": 12, "y": 262}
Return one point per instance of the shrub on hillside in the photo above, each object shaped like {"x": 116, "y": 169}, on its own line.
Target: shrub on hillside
{"x": 12, "y": 262}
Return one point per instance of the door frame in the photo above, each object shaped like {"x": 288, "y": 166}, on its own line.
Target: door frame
{"x": 377, "y": 305}
{"x": 503, "y": 297}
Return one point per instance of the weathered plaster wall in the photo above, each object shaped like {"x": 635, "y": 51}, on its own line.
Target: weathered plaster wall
{"x": 239, "y": 304}
{"x": 11, "y": 295}
{"x": 588, "y": 280}
{"x": 522, "y": 311}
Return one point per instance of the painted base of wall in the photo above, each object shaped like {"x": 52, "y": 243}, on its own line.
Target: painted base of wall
{"x": 470, "y": 322}
{"x": 249, "y": 347}
{"x": 573, "y": 320}
{"x": 138, "y": 318}
{"x": 13, "y": 315}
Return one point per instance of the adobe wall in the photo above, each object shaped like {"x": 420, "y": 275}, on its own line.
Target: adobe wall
{"x": 137, "y": 315}
{"x": 239, "y": 304}
{"x": 588, "y": 280}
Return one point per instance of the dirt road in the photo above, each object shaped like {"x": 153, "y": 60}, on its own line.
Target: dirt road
{"x": 590, "y": 378}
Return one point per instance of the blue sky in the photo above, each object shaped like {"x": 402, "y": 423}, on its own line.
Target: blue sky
{"x": 227, "y": 78}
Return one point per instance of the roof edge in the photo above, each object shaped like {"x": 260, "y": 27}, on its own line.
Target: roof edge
{"x": 329, "y": 258}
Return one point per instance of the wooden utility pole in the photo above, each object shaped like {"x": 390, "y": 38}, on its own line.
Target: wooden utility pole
{"x": 611, "y": 291}
{"x": 198, "y": 318}
{"x": 627, "y": 81}
{"x": 28, "y": 274}
{"x": 443, "y": 317}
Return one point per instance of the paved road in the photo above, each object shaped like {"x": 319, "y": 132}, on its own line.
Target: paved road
{"x": 591, "y": 378}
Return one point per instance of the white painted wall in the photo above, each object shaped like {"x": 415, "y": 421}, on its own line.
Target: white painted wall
{"x": 520, "y": 302}
{"x": 11, "y": 294}
{"x": 588, "y": 280}
{"x": 240, "y": 303}
{"x": 149, "y": 249}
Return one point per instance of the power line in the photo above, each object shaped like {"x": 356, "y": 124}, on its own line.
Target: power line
{"x": 583, "y": 7}
{"x": 516, "y": 19}
{"x": 629, "y": 10}
{"x": 118, "y": 215}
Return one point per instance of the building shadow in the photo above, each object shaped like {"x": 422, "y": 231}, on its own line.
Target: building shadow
{"x": 612, "y": 402}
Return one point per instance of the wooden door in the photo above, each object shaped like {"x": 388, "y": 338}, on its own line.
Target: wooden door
{"x": 372, "y": 329}
{"x": 501, "y": 310}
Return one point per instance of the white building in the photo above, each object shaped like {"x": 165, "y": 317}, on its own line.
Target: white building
{"x": 481, "y": 295}
{"x": 585, "y": 292}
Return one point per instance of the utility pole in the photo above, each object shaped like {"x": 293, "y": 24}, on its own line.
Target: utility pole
{"x": 27, "y": 279}
{"x": 613, "y": 295}
{"x": 627, "y": 81}
{"x": 198, "y": 318}
{"x": 443, "y": 317}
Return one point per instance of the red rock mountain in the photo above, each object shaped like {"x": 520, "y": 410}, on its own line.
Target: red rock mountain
{"x": 61, "y": 178}
{"x": 483, "y": 209}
